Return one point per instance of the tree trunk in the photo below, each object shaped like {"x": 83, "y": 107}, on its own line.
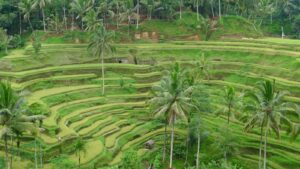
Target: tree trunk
{"x": 72, "y": 24}
{"x": 198, "y": 10}
{"x": 228, "y": 118}
{"x": 172, "y": 143}
{"x": 65, "y": 18}
{"x": 118, "y": 14}
{"x": 43, "y": 13}
{"x": 11, "y": 151}
{"x": 30, "y": 23}
{"x": 265, "y": 147}
{"x": 41, "y": 156}
{"x": 6, "y": 153}
{"x": 220, "y": 14}
{"x": 79, "y": 160}
{"x": 212, "y": 10}
{"x": 20, "y": 22}
{"x": 129, "y": 20}
{"x": 82, "y": 24}
{"x": 198, "y": 151}
{"x": 180, "y": 10}
{"x": 165, "y": 142}
{"x": 102, "y": 65}
{"x": 35, "y": 155}
{"x": 260, "y": 146}
{"x": 187, "y": 152}
{"x": 138, "y": 14}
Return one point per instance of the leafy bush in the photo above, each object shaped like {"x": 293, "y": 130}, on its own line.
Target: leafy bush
{"x": 130, "y": 160}
{"x": 39, "y": 108}
{"x": 16, "y": 42}
{"x": 296, "y": 26}
{"x": 36, "y": 42}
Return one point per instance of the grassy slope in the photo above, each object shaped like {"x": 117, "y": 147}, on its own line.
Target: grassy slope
{"x": 228, "y": 66}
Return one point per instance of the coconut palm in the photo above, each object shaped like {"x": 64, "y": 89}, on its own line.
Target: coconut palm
{"x": 101, "y": 45}
{"x": 231, "y": 101}
{"x": 79, "y": 147}
{"x": 92, "y": 21}
{"x": 172, "y": 100}
{"x": 203, "y": 67}
{"x": 128, "y": 13}
{"x": 5, "y": 40}
{"x": 269, "y": 111}
{"x": 13, "y": 117}
{"x": 105, "y": 9}
{"x": 41, "y": 4}
{"x": 25, "y": 8}
{"x": 81, "y": 7}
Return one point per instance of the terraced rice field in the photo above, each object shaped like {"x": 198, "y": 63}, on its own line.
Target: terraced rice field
{"x": 68, "y": 79}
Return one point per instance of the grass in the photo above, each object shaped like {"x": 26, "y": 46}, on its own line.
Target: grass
{"x": 120, "y": 119}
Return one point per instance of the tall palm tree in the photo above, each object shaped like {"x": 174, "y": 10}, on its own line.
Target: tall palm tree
{"x": 101, "y": 45}
{"x": 128, "y": 13}
{"x": 13, "y": 117}
{"x": 172, "y": 100}
{"x": 81, "y": 7}
{"x": 41, "y": 4}
{"x": 269, "y": 111}
{"x": 92, "y": 21}
{"x": 25, "y": 7}
{"x": 203, "y": 68}
{"x": 79, "y": 147}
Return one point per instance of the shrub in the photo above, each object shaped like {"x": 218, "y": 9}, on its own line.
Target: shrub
{"x": 39, "y": 108}
{"x": 296, "y": 26}
{"x": 130, "y": 160}
{"x": 36, "y": 42}
{"x": 16, "y": 42}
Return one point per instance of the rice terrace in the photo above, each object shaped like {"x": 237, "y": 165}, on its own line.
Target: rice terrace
{"x": 149, "y": 84}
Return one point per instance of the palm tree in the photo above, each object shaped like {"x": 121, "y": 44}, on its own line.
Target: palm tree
{"x": 150, "y": 5}
{"x": 105, "y": 8}
{"x": 25, "y": 8}
{"x": 101, "y": 45}
{"x": 92, "y": 21}
{"x": 5, "y": 40}
{"x": 128, "y": 13}
{"x": 203, "y": 67}
{"x": 41, "y": 4}
{"x": 79, "y": 148}
{"x": 229, "y": 100}
{"x": 269, "y": 112}
{"x": 81, "y": 7}
{"x": 171, "y": 100}
{"x": 13, "y": 118}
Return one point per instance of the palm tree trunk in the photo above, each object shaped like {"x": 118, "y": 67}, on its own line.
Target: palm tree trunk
{"x": 65, "y": 18}
{"x": 212, "y": 10}
{"x": 198, "y": 10}
{"x": 81, "y": 24}
{"x": 6, "y": 152}
{"x": 265, "y": 147}
{"x": 180, "y": 9}
{"x": 79, "y": 160}
{"x": 118, "y": 15}
{"x": 129, "y": 20}
{"x": 11, "y": 151}
{"x": 41, "y": 156}
{"x": 20, "y": 22}
{"x": 43, "y": 13}
{"x": 30, "y": 23}
{"x": 260, "y": 146}
{"x": 198, "y": 151}
{"x": 187, "y": 151}
{"x": 72, "y": 24}
{"x": 220, "y": 15}
{"x": 138, "y": 14}
{"x": 172, "y": 143}
{"x": 228, "y": 118}
{"x": 102, "y": 67}
{"x": 165, "y": 142}
{"x": 35, "y": 155}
